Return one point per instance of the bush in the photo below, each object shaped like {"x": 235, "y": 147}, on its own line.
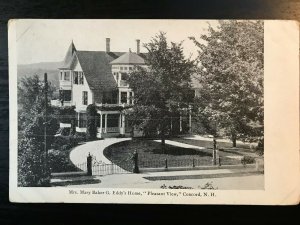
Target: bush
{"x": 59, "y": 161}
{"x": 31, "y": 164}
{"x": 67, "y": 142}
{"x": 91, "y": 126}
{"x": 248, "y": 160}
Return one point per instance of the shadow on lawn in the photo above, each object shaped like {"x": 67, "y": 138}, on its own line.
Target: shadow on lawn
{"x": 170, "y": 150}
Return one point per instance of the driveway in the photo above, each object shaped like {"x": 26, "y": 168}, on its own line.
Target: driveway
{"x": 95, "y": 148}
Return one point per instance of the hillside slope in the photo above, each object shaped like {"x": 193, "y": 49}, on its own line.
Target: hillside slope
{"x": 51, "y": 68}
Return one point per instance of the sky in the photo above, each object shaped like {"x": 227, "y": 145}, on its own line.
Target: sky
{"x": 48, "y": 40}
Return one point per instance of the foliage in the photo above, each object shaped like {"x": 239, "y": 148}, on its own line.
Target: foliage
{"x": 231, "y": 76}
{"x": 91, "y": 126}
{"x": 175, "y": 187}
{"x": 208, "y": 186}
{"x": 59, "y": 161}
{"x": 161, "y": 89}
{"x": 31, "y": 122}
{"x": 65, "y": 114}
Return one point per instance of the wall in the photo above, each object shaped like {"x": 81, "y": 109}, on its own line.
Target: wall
{"x": 77, "y": 91}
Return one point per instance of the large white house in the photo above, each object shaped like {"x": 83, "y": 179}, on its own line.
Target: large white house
{"x": 98, "y": 77}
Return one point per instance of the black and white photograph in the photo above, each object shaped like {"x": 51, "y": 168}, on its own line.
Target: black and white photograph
{"x": 132, "y": 105}
{"x": 147, "y": 106}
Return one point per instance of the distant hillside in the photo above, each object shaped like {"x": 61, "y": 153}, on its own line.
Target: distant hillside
{"x": 51, "y": 68}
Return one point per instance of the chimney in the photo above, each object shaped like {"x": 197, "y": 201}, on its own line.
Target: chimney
{"x": 137, "y": 46}
{"x": 107, "y": 44}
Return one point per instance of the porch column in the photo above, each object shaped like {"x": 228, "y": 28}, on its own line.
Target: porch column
{"x": 190, "y": 119}
{"x": 128, "y": 96}
{"x": 122, "y": 130}
{"x": 78, "y": 119}
{"x": 105, "y": 125}
{"x": 100, "y": 125}
{"x": 180, "y": 123}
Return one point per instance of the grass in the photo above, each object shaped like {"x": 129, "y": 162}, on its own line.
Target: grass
{"x": 225, "y": 148}
{"x": 152, "y": 155}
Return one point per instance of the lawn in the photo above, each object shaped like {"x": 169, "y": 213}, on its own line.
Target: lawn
{"x": 242, "y": 149}
{"x": 151, "y": 155}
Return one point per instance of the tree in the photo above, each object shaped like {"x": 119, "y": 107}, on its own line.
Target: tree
{"x": 162, "y": 88}
{"x": 231, "y": 74}
{"x": 31, "y": 122}
{"x": 91, "y": 126}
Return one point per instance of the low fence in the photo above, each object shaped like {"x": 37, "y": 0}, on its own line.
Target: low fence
{"x": 136, "y": 165}
{"x": 99, "y": 168}
{"x": 107, "y": 169}
{"x": 189, "y": 162}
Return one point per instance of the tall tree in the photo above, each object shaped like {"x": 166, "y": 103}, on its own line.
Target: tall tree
{"x": 231, "y": 75}
{"x": 31, "y": 122}
{"x": 162, "y": 88}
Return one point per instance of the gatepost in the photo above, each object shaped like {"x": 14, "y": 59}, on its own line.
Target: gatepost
{"x": 89, "y": 165}
{"x": 135, "y": 161}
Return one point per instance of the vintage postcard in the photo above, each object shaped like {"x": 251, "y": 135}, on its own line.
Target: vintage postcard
{"x": 154, "y": 111}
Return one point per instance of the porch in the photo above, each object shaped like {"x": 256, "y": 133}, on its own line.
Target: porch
{"x": 111, "y": 124}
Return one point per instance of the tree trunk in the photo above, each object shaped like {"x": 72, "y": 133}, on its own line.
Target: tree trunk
{"x": 163, "y": 138}
{"x": 233, "y": 140}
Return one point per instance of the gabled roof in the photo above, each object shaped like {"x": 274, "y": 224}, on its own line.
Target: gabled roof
{"x": 129, "y": 58}
{"x": 96, "y": 65}
{"x": 97, "y": 70}
{"x": 67, "y": 63}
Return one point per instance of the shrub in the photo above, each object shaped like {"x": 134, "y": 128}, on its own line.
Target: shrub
{"x": 248, "y": 160}
{"x": 91, "y": 126}
{"x": 59, "y": 161}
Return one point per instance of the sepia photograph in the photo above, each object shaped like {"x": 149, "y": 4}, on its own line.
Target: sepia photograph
{"x": 132, "y": 105}
{"x": 148, "y": 111}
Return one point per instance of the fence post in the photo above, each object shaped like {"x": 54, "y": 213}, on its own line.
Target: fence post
{"x": 214, "y": 161}
{"x": 166, "y": 163}
{"x": 136, "y": 162}
{"x": 243, "y": 161}
{"x": 193, "y": 162}
{"x": 89, "y": 165}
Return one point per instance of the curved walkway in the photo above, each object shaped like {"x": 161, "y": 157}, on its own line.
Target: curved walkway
{"x": 95, "y": 148}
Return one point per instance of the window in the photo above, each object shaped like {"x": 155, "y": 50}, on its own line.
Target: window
{"x": 130, "y": 68}
{"x": 61, "y": 75}
{"x": 121, "y": 68}
{"x": 82, "y": 120}
{"x": 124, "y": 76}
{"x": 113, "y": 120}
{"x": 67, "y": 75}
{"x": 84, "y": 98}
{"x": 130, "y": 97}
{"x": 65, "y": 95}
{"x": 80, "y": 78}
{"x": 123, "y": 97}
{"x": 75, "y": 80}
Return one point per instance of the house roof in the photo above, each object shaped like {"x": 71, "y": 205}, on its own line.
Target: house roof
{"x": 67, "y": 63}
{"x": 96, "y": 65}
{"x": 97, "y": 70}
{"x": 129, "y": 58}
